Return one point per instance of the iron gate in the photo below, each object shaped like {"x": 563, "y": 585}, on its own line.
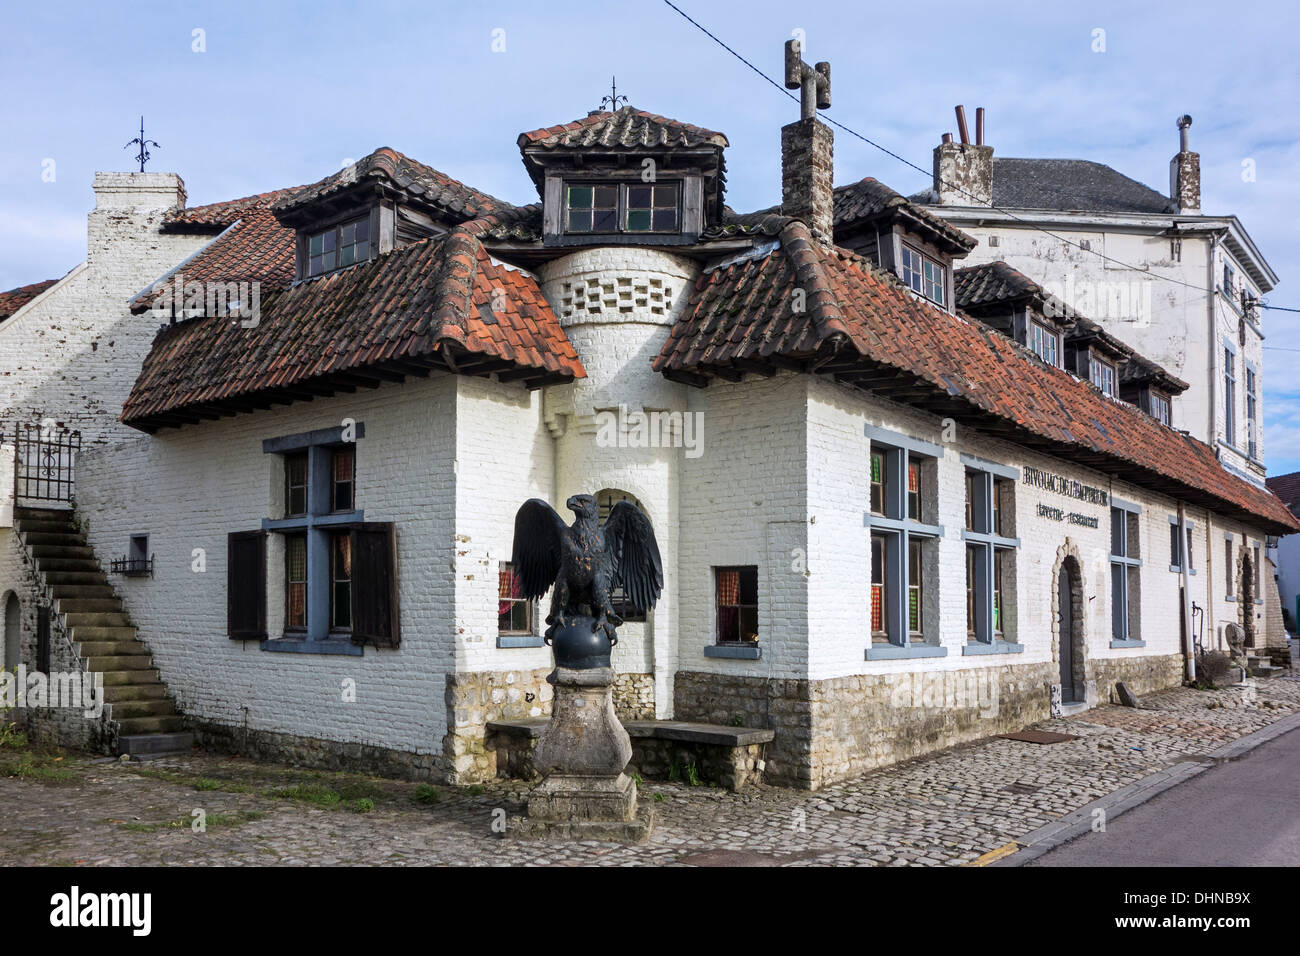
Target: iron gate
{"x": 44, "y": 461}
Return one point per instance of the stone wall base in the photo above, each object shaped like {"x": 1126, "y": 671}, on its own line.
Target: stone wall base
{"x": 317, "y": 754}
{"x": 1143, "y": 675}
{"x": 476, "y": 697}
{"x": 634, "y": 696}
{"x": 832, "y": 730}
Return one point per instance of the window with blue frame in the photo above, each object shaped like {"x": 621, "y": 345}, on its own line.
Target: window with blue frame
{"x": 339, "y": 571}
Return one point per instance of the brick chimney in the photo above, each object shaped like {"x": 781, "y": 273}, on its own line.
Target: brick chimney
{"x": 807, "y": 175}
{"x": 963, "y": 172}
{"x": 129, "y": 207}
{"x": 1185, "y": 173}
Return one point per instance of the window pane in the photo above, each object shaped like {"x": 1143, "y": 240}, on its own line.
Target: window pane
{"x": 295, "y": 572}
{"x": 998, "y": 558}
{"x": 314, "y": 245}
{"x": 914, "y": 490}
{"x": 606, "y": 197}
{"x": 749, "y": 586}
{"x": 665, "y": 220}
{"x": 330, "y": 239}
{"x": 580, "y": 197}
{"x": 363, "y": 229}
{"x": 347, "y": 255}
{"x": 295, "y": 480}
{"x": 878, "y": 482}
{"x": 604, "y": 220}
{"x": 638, "y": 197}
{"x": 914, "y": 584}
{"x": 580, "y": 220}
{"x": 1118, "y": 532}
{"x": 314, "y": 266}
{"x": 638, "y": 220}
{"x": 970, "y": 591}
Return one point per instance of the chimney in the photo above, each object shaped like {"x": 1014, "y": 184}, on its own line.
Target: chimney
{"x": 807, "y": 167}
{"x": 129, "y": 207}
{"x": 1185, "y": 173}
{"x": 963, "y": 172}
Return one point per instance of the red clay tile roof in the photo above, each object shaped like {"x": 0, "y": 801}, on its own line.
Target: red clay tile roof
{"x": 15, "y": 299}
{"x": 219, "y": 215}
{"x": 863, "y": 327}
{"x": 256, "y": 248}
{"x": 426, "y": 305}
{"x": 416, "y": 180}
{"x": 996, "y": 282}
{"x": 868, "y": 199}
{"x": 629, "y": 128}
{"x": 1287, "y": 489}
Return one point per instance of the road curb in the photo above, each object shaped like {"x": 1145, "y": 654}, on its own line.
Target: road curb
{"x": 1079, "y": 822}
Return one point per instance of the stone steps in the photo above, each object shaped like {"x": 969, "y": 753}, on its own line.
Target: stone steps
{"x": 114, "y": 693}
{"x": 126, "y": 648}
{"x": 139, "y": 704}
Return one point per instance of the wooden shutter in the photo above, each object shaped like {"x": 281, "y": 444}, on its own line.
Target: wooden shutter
{"x": 374, "y": 585}
{"x": 246, "y": 585}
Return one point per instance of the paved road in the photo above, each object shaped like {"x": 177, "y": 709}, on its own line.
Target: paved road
{"x": 1244, "y": 812}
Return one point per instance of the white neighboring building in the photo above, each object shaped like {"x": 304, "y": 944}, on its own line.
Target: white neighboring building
{"x": 1191, "y": 306}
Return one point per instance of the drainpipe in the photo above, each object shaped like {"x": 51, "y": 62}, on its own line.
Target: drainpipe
{"x": 1189, "y": 654}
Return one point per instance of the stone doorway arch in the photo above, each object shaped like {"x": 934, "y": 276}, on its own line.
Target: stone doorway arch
{"x": 1069, "y": 627}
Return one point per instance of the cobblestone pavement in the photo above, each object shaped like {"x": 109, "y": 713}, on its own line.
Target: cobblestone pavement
{"x": 942, "y": 810}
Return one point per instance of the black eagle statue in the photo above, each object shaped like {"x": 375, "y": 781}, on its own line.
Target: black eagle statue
{"x": 586, "y": 561}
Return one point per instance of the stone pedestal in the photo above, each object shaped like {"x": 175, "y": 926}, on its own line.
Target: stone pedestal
{"x": 585, "y": 795}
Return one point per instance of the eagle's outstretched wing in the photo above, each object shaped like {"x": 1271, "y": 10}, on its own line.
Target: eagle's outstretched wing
{"x": 629, "y": 535}
{"x": 536, "y": 554}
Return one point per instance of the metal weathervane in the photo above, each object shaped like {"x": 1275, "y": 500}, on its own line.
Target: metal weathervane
{"x": 142, "y": 156}
{"x": 614, "y": 97}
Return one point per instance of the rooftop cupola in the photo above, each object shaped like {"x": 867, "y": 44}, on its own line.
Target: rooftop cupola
{"x": 626, "y": 177}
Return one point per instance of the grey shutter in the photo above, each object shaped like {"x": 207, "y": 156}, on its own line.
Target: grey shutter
{"x": 375, "y": 618}
{"x": 246, "y": 585}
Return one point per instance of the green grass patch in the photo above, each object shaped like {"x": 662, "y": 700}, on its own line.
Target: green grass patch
{"x": 35, "y": 765}
{"x": 314, "y": 793}
{"x": 426, "y": 794}
{"x": 364, "y": 805}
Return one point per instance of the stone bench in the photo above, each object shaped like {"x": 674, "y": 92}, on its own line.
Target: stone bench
{"x": 728, "y": 757}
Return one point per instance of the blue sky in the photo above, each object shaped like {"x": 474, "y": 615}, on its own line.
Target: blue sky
{"x": 286, "y": 92}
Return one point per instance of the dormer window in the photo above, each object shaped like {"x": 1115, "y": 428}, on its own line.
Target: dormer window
{"x": 1102, "y": 375}
{"x": 924, "y": 275}
{"x": 338, "y": 247}
{"x": 622, "y": 207}
{"x": 1159, "y": 407}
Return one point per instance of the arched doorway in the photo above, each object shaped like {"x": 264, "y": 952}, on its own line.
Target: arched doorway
{"x": 13, "y": 630}
{"x": 1068, "y": 646}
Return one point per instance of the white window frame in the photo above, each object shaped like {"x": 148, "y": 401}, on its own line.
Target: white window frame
{"x": 1042, "y": 332}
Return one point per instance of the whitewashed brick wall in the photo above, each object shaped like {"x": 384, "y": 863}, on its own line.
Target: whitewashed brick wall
{"x": 189, "y": 488}
{"x": 839, "y": 546}
{"x": 72, "y": 353}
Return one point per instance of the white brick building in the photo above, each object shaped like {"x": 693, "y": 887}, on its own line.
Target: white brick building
{"x": 885, "y": 526}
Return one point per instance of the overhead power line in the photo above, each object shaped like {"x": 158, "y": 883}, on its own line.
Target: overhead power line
{"x": 926, "y": 172}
